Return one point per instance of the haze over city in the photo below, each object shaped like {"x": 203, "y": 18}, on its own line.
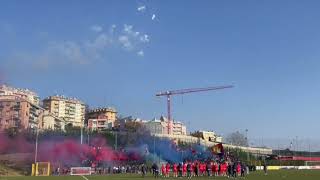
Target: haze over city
{"x": 97, "y": 53}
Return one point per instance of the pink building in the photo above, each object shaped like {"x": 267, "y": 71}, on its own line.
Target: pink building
{"x": 17, "y": 112}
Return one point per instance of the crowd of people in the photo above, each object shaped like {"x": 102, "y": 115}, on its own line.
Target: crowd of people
{"x": 188, "y": 169}
{"x": 196, "y": 169}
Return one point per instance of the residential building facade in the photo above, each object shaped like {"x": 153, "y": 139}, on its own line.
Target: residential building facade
{"x": 160, "y": 126}
{"x": 27, "y": 94}
{"x": 103, "y": 113}
{"x": 69, "y": 109}
{"x": 101, "y": 118}
{"x": 17, "y": 112}
{"x": 52, "y": 122}
{"x": 100, "y": 124}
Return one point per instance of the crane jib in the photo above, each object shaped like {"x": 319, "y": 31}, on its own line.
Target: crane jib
{"x": 184, "y": 91}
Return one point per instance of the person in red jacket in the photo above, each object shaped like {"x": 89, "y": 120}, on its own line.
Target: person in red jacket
{"x": 163, "y": 170}
{"x": 214, "y": 169}
{"x": 217, "y": 168}
{"x": 203, "y": 169}
{"x": 184, "y": 169}
{"x": 168, "y": 170}
{"x": 224, "y": 169}
{"x": 200, "y": 168}
{"x": 221, "y": 169}
{"x": 175, "y": 170}
{"x": 238, "y": 169}
{"x": 193, "y": 171}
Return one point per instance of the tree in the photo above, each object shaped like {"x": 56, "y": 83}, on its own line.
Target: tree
{"x": 133, "y": 126}
{"x": 12, "y": 131}
{"x": 72, "y": 130}
{"x": 197, "y": 134}
{"x": 237, "y": 138}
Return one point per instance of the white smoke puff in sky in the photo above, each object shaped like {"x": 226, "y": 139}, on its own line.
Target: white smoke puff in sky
{"x": 112, "y": 28}
{"x": 140, "y": 53}
{"x": 153, "y": 17}
{"x": 144, "y": 38}
{"x": 125, "y": 42}
{"x": 141, "y": 8}
{"x": 127, "y": 28}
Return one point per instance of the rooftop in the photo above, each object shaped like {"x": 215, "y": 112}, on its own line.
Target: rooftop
{"x": 17, "y": 90}
{"x": 64, "y": 98}
{"x": 104, "y": 109}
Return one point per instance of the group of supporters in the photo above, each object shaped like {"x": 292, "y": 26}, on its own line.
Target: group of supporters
{"x": 195, "y": 169}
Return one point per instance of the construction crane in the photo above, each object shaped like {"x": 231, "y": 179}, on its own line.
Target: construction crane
{"x": 168, "y": 94}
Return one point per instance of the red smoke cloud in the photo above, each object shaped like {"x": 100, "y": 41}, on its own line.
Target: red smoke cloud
{"x": 65, "y": 152}
{"x": 17, "y": 144}
{"x": 71, "y": 152}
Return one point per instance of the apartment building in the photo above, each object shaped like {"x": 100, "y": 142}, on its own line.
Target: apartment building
{"x": 160, "y": 126}
{"x": 69, "y": 109}
{"x": 101, "y": 118}
{"x": 27, "y": 94}
{"x": 52, "y": 122}
{"x": 20, "y": 113}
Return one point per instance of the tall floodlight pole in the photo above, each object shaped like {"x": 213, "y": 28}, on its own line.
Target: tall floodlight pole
{"x": 170, "y": 124}
{"x": 81, "y": 136}
{"x": 116, "y": 141}
{"x": 88, "y": 137}
{"x": 248, "y": 153}
{"x": 36, "y": 149}
{"x": 154, "y": 141}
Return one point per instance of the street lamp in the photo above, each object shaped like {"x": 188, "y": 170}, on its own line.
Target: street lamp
{"x": 247, "y": 137}
{"x": 154, "y": 142}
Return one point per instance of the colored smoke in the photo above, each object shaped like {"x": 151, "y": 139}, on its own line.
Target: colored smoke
{"x": 16, "y": 144}
{"x": 157, "y": 149}
{"x": 71, "y": 152}
{"x": 67, "y": 151}
{"x": 167, "y": 150}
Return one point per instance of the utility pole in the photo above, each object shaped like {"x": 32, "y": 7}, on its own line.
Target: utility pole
{"x": 116, "y": 141}
{"x": 154, "y": 141}
{"x": 36, "y": 149}
{"x": 81, "y": 132}
{"x": 248, "y": 153}
{"x": 88, "y": 137}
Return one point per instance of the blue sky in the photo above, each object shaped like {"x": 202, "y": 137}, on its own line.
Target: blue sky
{"x": 111, "y": 53}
